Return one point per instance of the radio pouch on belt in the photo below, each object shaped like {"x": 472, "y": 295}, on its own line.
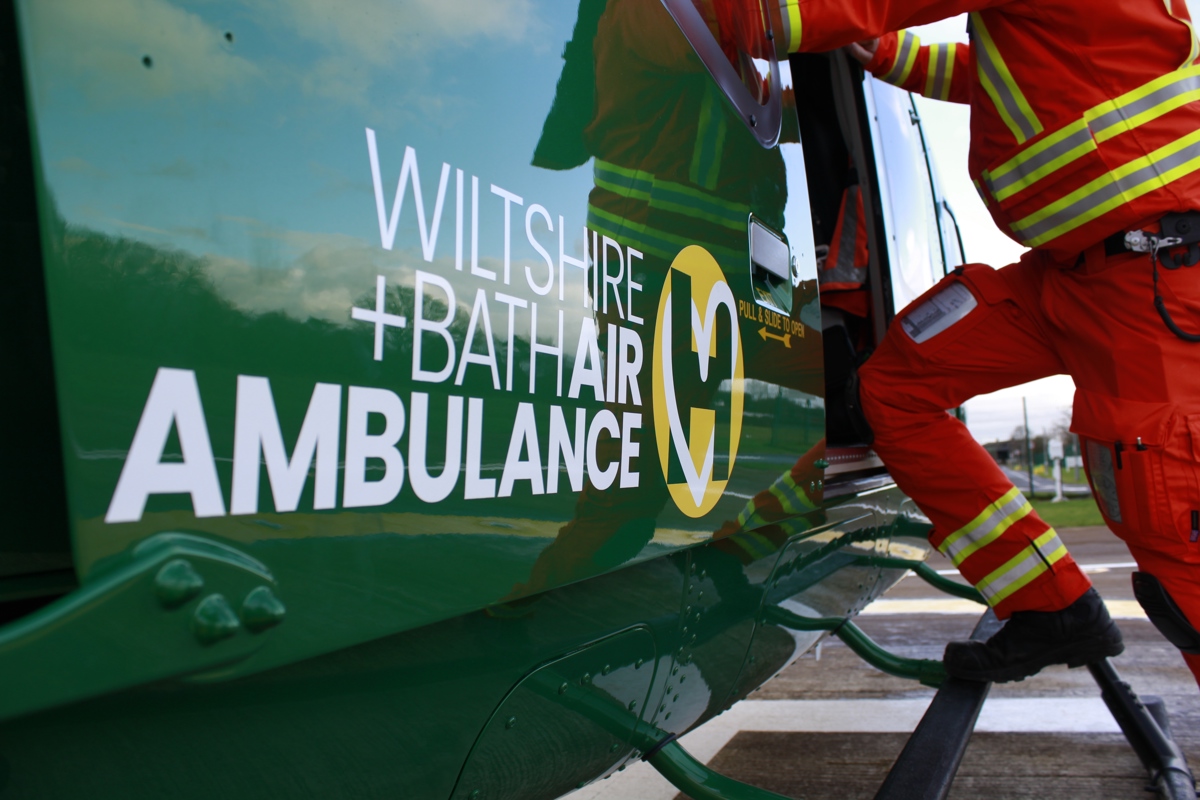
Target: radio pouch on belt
{"x": 1165, "y": 615}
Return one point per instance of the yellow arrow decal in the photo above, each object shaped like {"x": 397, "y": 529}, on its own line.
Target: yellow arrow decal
{"x": 786, "y": 338}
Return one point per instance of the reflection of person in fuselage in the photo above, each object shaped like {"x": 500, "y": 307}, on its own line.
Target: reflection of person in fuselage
{"x": 674, "y": 166}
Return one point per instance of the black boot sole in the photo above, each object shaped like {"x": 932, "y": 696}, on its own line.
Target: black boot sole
{"x": 1073, "y": 654}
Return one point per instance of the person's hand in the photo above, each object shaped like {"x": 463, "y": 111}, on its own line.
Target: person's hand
{"x": 863, "y": 51}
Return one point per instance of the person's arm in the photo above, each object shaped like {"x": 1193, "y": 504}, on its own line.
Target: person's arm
{"x": 816, "y": 26}
{"x": 937, "y": 71}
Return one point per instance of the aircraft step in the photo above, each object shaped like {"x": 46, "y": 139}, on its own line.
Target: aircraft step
{"x": 926, "y": 767}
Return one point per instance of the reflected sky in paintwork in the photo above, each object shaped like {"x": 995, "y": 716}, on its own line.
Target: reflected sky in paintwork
{"x": 252, "y": 152}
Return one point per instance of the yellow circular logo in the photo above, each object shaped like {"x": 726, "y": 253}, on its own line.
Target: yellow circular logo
{"x": 698, "y": 381}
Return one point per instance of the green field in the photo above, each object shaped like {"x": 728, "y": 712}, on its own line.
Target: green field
{"x": 1072, "y": 513}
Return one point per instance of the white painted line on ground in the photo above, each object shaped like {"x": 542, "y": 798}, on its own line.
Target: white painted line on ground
{"x": 1118, "y": 609}
{"x": 1084, "y": 567}
{"x": 1000, "y": 715}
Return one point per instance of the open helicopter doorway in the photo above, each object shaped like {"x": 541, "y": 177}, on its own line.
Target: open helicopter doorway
{"x": 880, "y": 238}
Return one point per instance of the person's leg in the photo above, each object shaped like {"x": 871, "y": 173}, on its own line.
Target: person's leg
{"x": 1178, "y": 580}
{"x": 1137, "y": 409}
{"x": 974, "y": 333}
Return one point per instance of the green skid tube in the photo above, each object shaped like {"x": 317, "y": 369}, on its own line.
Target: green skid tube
{"x": 698, "y": 781}
{"x": 927, "y": 574}
{"x": 927, "y": 671}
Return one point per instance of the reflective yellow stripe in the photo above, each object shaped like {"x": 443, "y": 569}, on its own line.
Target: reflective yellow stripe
{"x": 982, "y": 194}
{"x": 789, "y": 10}
{"x": 1101, "y": 123}
{"x": 1195, "y": 50}
{"x": 790, "y": 496}
{"x": 998, "y": 82}
{"x": 710, "y": 140}
{"x": 1144, "y": 104}
{"x": 983, "y": 516}
{"x": 1045, "y": 156}
{"x": 1022, "y": 568}
{"x": 1111, "y": 190}
{"x": 940, "y": 70}
{"x": 933, "y": 68}
{"x": 908, "y": 45}
{"x": 986, "y": 528}
{"x": 946, "y": 73}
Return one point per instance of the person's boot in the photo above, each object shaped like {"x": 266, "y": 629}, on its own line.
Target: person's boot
{"x": 1079, "y": 634}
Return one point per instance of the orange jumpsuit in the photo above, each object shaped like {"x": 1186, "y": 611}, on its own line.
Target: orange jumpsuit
{"x": 1085, "y": 122}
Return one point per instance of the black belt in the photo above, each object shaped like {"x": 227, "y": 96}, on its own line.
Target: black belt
{"x": 1181, "y": 227}
{"x": 1115, "y": 245}
{"x": 1176, "y": 231}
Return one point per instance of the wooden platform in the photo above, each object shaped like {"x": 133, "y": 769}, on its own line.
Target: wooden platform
{"x": 830, "y": 727}
{"x": 998, "y": 766}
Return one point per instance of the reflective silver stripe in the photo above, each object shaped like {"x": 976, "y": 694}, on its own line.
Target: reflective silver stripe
{"x": 1100, "y": 123}
{"x": 1001, "y": 87}
{"x": 1003, "y": 96}
{"x": 789, "y": 12}
{"x": 1110, "y": 189}
{"x": 790, "y": 498}
{"x": 1024, "y": 170}
{"x": 945, "y": 64}
{"x": 979, "y": 191}
{"x": 974, "y": 539}
{"x": 844, "y": 271}
{"x": 1020, "y": 570}
{"x": 941, "y": 62}
{"x": 1125, "y": 112}
{"x": 896, "y": 74}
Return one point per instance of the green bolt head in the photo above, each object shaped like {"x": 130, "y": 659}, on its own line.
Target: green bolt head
{"x": 176, "y": 583}
{"x": 633, "y": 705}
{"x": 821, "y": 463}
{"x": 261, "y": 610}
{"x": 607, "y": 669}
{"x": 615, "y": 747}
{"x": 214, "y": 620}
{"x": 586, "y": 680}
{"x": 562, "y": 688}
{"x": 510, "y": 723}
{"x": 474, "y": 795}
{"x": 638, "y": 664}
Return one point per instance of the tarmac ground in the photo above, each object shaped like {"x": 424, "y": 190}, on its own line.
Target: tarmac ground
{"x": 829, "y": 726}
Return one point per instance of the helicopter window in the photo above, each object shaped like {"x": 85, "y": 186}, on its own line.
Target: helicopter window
{"x": 913, "y": 245}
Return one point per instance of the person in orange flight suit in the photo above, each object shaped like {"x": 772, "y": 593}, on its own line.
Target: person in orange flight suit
{"x": 1085, "y": 146}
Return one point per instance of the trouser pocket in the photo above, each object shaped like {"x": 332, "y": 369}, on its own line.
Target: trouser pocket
{"x": 1149, "y": 492}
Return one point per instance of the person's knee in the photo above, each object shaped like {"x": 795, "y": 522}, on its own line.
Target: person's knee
{"x": 881, "y": 401}
{"x": 1165, "y": 613}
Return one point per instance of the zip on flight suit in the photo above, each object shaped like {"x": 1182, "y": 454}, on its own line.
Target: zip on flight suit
{"x": 1085, "y": 124}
